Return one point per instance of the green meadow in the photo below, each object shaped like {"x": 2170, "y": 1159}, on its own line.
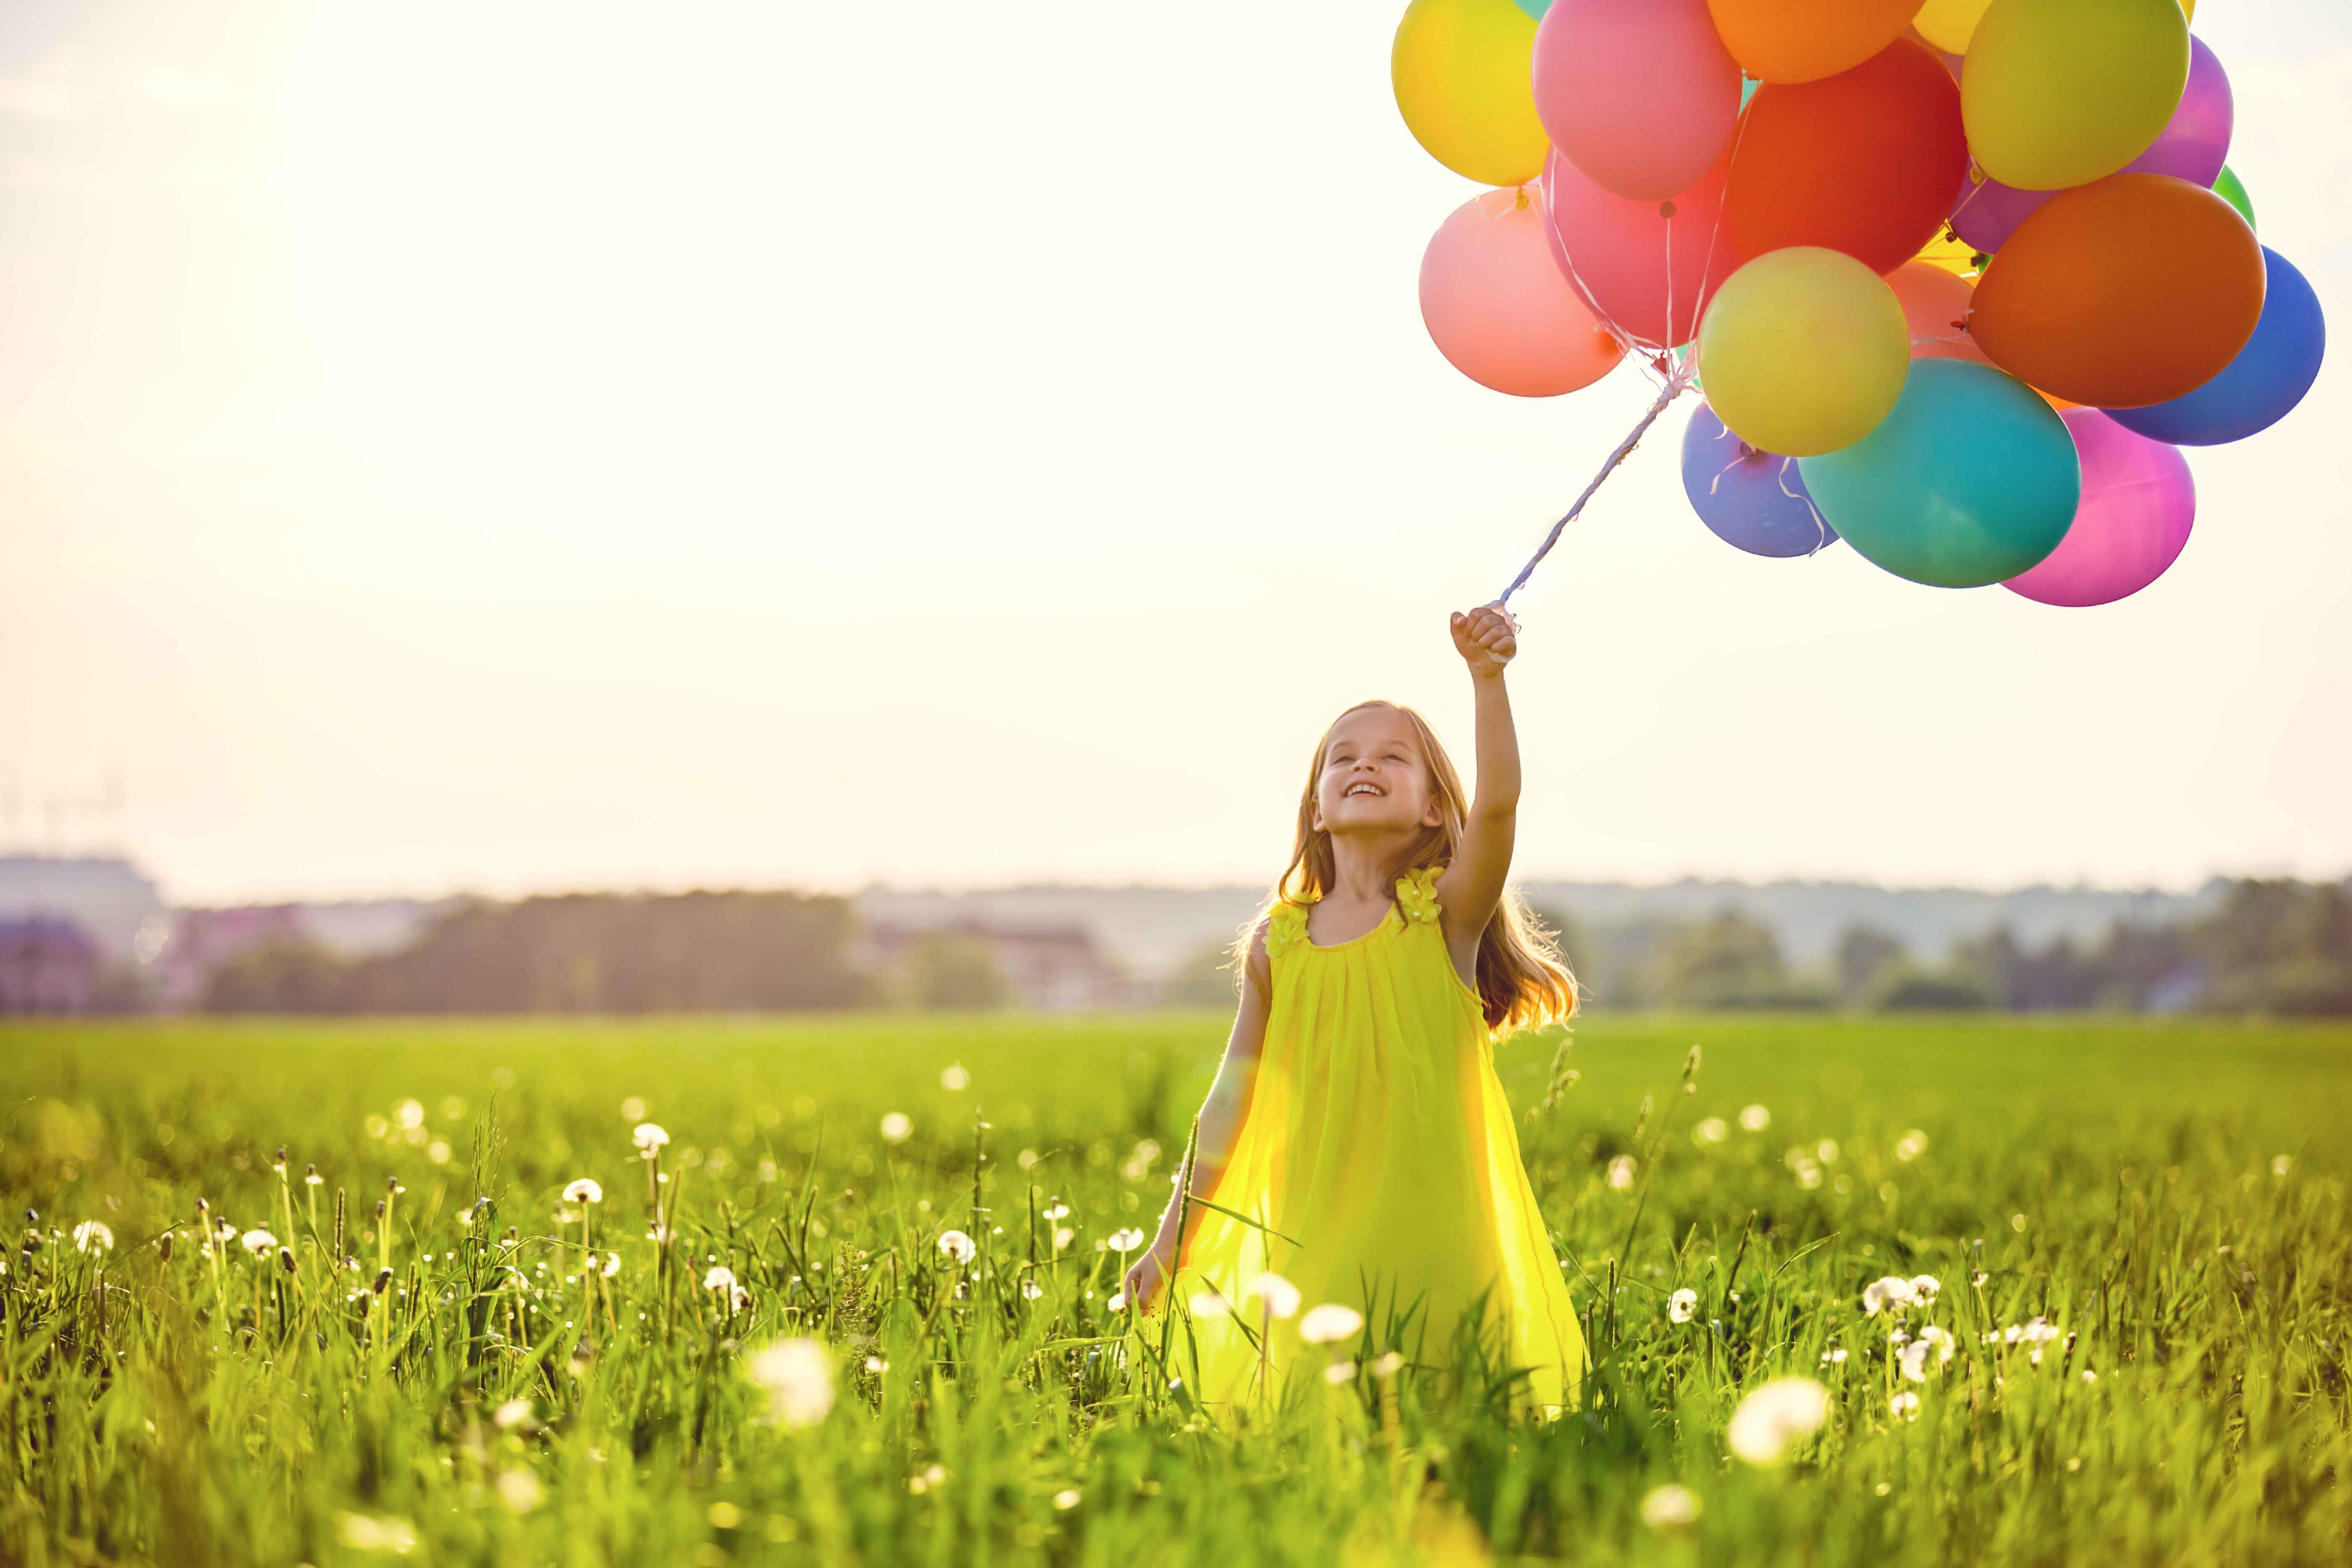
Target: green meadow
{"x": 2131, "y": 1349}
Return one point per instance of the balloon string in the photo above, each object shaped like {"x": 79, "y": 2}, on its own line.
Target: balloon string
{"x": 1676, "y": 383}
{"x": 1821, "y": 523}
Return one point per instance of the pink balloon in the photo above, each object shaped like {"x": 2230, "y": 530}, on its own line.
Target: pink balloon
{"x": 2193, "y": 146}
{"x": 2139, "y": 502}
{"x": 1497, "y": 307}
{"x": 1638, "y": 264}
{"x": 1640, "y": 95}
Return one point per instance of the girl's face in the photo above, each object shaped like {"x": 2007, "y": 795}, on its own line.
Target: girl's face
{"x": 1374, "y": 778}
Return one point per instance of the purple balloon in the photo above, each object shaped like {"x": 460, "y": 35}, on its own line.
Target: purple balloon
{"x": 2139, "y": 502}
{"x": 1748, "y": 497}
{"x": 2194, "y": 143}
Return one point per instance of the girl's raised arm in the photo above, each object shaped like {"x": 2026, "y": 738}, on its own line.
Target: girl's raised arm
{"x": 1221, "y": 1121}
{"x": 1471, "y": 888}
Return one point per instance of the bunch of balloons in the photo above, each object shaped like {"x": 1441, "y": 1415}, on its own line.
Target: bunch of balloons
{"x": 1957, "y": 278}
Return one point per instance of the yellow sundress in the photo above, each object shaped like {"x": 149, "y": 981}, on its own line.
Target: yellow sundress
{"x": 1378, "y": 1141}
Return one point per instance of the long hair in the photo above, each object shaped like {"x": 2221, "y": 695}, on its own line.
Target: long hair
{"x": 1523, "y": 978}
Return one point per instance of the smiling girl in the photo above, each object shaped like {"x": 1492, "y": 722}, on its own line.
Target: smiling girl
{"x": 1356, "y": 1118}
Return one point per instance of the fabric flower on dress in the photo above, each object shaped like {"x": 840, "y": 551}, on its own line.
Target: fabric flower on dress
{"x": 1417, "y": 895}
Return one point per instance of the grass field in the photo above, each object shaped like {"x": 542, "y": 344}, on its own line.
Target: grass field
{"x": 2167, "y": 1198}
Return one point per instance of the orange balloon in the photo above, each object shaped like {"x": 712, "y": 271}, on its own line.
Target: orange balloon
{"x": 2133, "y": 290}
{"x": 1805, "y": 40}
{"x": 1865, "y": 162}
{"x": 1936, "y": 306}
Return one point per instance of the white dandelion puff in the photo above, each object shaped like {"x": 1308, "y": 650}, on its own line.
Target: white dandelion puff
{"x": 896, "y": 1128}
{"x": 1880, "y": 1295}
{"x": 1670, "y": 1507}
{"x": 259, "y": 1243}
{"x": 1924, "y": 1289}
{"x": 955, "y": 1245}
{"x": 1681, "y": 1305}
{"x": 1209, "y": 1304}
{"x": 1339, "y": 1371}
{"x": 1329, "y": 1324}
{"x": 720, "y": 1277}
{"x": 586, "y": 1190}
{"x": 612, "y": 1265}
{"x": 649, "y": 1136}
{"x": 93, "y": 1236}
{"x": 1126, "y": 1240}
{"x": 1280, "y": 1296}
{"x": 1904, "y": 1406}
{"x": 797, "y": 1375}
{"x": 1775, "y": 1416}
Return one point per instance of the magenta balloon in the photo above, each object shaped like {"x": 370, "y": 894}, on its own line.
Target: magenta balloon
{"x": 2194, "y": 143}
{"x": 2139, "y": 502}
{"x": 1640, "y": 95}
{"x": 1637, "y": 264}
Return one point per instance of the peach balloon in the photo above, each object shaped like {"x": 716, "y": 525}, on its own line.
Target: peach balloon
{"x": 1936, "y": 306}
{"x": 1805, "y": 40}
{"x": 1640, "y": 95}
{"x": 1498, "y": 309}
{"x": 2133, "y": 290}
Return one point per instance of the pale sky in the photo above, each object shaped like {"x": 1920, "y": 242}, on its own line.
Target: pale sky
{"x": 531, "y": 446}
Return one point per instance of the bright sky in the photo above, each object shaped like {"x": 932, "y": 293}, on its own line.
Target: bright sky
{"x": 546, "y": 445}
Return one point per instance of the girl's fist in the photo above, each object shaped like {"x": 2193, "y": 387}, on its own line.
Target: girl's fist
{"x": 1486, "y": 637}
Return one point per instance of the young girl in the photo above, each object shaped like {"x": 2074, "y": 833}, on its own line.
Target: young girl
{"x": 1355, "y": 1117}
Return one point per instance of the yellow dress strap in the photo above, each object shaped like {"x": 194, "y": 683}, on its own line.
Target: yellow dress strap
{"x": 1286, "y": 928}
{"x": 1417, "y": 894}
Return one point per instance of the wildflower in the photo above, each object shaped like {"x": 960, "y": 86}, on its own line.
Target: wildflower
{"x": 936, "y": 1476}
{"x": 1126, "y": 1240}
{"x": 612, "y": 1265}
{"x": 1620, "y": 1173}
{"x": 1882, "y": 1294}
{"x": 1924, "y": 1289}
{"x": 1339, "y": 1371}
{"x": 1209, "y": 1304}
{"x": 1681, "y": 1305}
{"x": 1835, "y": 1356}
{"x": 1711, "y": 1131}
{"x": 649, "y": 1137}
{"x": 955, "y": 1245}
{"x": 93, "y": 1236}
{"x": 279, "y": 1165}
{"x": 1776, "y": 1415}
{"x": 1031, "y": 1289}
{"x": 1670, "y": 1507}
{"x": 1905, "y": 1407}
{"x": 1117, "y": 1302}
{"x": 1329, "y": 1324}
{"x": 586, "y": 1190}
{"x": 954, "y": 1079}
{"x": 797, "y": 1374}
{"x": 738, "y": 1300}
{"x": 896, "y": 1128}
{"x": 1059, "y": 1211}
{"x": 1911, "y": 1145}
{"x": 1280, "y": 1296}
{"x": 1754, "y": 1118}
{"x": 719, "y": 1279}
{"x": 1978, "y": 1279}
{"x": 310, "y": 1178}
{"x": 513, "y": 1413}
{"x": 875, "y": 1364}
{"x": 520, "y": 1490}
{"x": 1067, "y": 1499}
{"x": 259, "y": 1243}
{"x": 1914, "y": 1356}
{"x": 2090, "y": 1376}
{"x": 1062, "y": 1237}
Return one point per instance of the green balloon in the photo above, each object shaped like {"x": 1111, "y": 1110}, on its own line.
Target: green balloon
{"x": 1972, "y": 479}
{"x": 2233, "y": 190}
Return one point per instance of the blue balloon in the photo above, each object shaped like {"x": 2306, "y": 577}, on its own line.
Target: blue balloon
{"x": 2255, "y": 391}
{"x": 1755, "y": 500}
{"x": 1971, "y": 481}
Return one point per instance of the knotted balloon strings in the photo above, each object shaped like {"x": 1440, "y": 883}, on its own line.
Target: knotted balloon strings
{"x": 1780, "y": 477}
{"x": 1676, "y": 383}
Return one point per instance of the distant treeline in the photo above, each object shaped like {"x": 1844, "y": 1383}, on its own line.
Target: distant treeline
{"x": 2278, "y": 947}
{"x": 585, "y": 953}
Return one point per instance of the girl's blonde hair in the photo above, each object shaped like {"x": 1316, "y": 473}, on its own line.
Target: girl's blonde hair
{"x": 1523, "y": 978}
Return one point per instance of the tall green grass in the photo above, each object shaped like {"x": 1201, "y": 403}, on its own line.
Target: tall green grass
{"x": 2169, "y": 1199}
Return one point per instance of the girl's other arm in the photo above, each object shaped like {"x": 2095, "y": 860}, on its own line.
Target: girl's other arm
{"x": 1221, "y": 1114}
{"x": 1471, "y": 888}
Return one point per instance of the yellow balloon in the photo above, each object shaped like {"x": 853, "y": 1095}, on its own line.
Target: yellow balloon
{"x": 1461, "y": 73}
{"x": 2063, "y": 92}
{"x": 1803, "y": 350}
{"x": 1951, "y": 253}
{"x": 1948, "y": 23}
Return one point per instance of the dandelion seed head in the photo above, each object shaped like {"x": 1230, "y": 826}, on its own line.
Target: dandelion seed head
{"x": 957, "y": 1245}
{"x": 1031, "y": 1289}
{"x": 1775, "y": 1416}
{"x": 1117, "y": 1302}
{"x": 1062, "y": 1237}
{"x": 1329, "y": 1324}
{"x": 1388, "y": 1365}
{"x": 612, "y": 1265}
{"x": 1126, "y": 1240}
{"x": 1209, "y": 1304}
{"x": 649, "y": 1137}
{"x": 259, "y": 1243}
{"x": 1904, "y": 1406}
{"x": 1924, "y": 1289}
{"x": 586, "y": 1190}
{"x": 1339, "y": 1371}
{"x": 94, "y": 1237}
{"x": 1835, "y": 1356}
{"x": 896, "y": 1128}
{"x": 1670, "y": 1507}
{"x": 1681, "y": 1305}
{"x": 719, "y": 1279}
{"x": 1059, "y": 1211}
{"x": 797, "y": 1375}
{"x": 1279, "y": 1295}
{"x": 1880, "y": 1295}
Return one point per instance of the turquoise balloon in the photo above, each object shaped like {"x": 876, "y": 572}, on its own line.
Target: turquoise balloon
{"x": 1535, "y": 8}
{"x": 1971, "y": 481}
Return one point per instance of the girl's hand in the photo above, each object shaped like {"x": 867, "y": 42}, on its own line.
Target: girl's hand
{"x": 1146, "y": 1275}
{"x": 1486, "y": 638}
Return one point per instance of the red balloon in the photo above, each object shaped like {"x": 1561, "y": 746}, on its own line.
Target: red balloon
{"x": 1864, "y": 162}
{"x": 1649, "y": 267}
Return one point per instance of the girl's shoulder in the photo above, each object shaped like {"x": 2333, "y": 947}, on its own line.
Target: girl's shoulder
{"x": 1417, "y": 894}
{"x": 1284, "y": 927}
